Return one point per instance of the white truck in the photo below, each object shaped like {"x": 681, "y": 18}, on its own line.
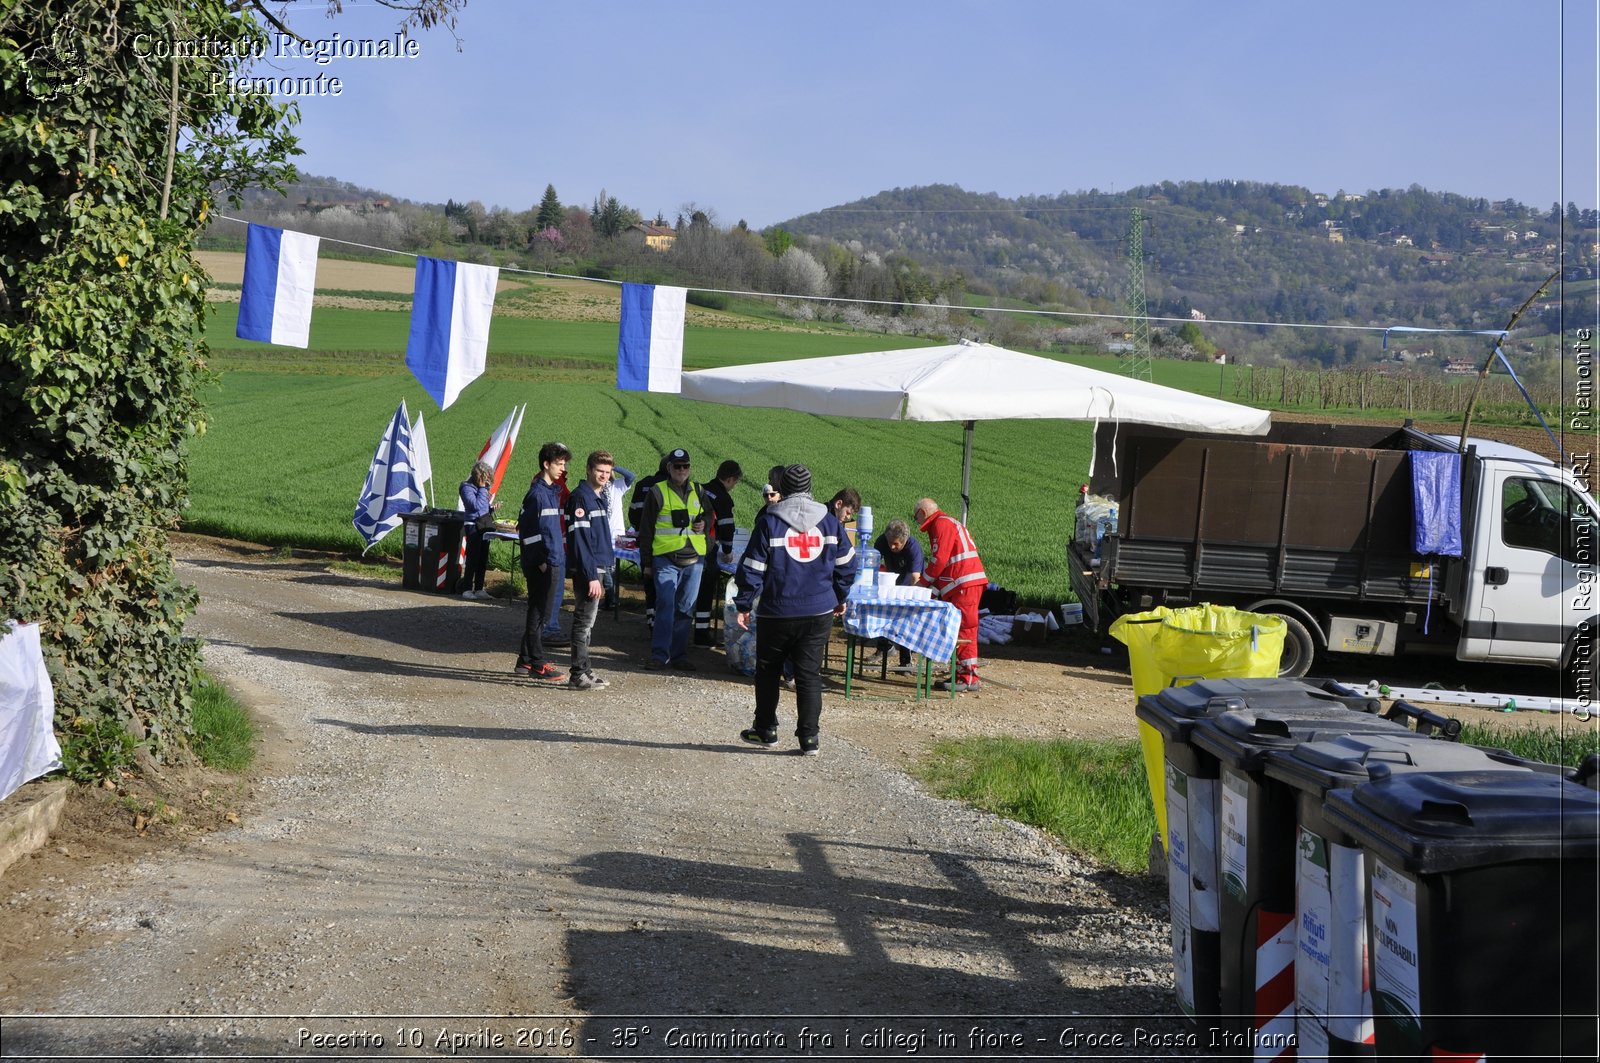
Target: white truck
{"x": 1313, "y": 522}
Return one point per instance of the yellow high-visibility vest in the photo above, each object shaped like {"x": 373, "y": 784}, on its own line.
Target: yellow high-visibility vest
{"x": 669, "y": 540}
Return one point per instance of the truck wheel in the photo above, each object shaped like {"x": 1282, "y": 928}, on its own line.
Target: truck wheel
{"x": 1299, "y": 648}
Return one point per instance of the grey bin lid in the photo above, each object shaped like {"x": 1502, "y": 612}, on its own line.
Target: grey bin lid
{"x": 1243, "y": 739}
{"x": 1434, "y": 822}
{"x": 1175, "y": 709}
{"x": 1350, "y": 759}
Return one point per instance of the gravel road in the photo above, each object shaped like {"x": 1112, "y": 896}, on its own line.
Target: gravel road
{"x": 445, "y": 861}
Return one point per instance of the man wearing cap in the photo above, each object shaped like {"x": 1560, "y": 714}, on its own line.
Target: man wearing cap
{"x": 719, "y": 493}
{"x": 672, "y": 551}
{"x": 956, "y": 575}
{"x": 795, "y": 573}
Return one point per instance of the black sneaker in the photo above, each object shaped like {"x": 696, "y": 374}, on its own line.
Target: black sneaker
{"x": 960, "y": 686}
{"x": 522, "y": 670}
{"x": 580, "y": 681}
{"x": 557, "y": 641}
{"x": 683, "y": 664}
{"x": 596, "y": 680}
{"x": 654, "y": 665}
{"x": 758, "y": 737}
{"x": 808, "y": 746}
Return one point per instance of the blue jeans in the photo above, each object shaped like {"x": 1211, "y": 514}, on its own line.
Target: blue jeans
{"x": 676, "y": 588}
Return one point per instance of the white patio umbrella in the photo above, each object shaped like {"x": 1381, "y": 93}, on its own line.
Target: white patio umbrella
{"x": 967, "y": 382}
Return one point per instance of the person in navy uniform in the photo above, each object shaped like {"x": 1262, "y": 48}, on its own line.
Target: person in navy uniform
{"x": 902, "y": 555}
{"x": 589, "y": 557}
{"x": 544, "y": 559}
{"x": 719, "y": 493}
{"x": 795, "y": 574}
{"x": 641, "y": 490}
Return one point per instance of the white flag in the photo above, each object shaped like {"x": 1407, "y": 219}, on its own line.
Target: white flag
{"x": 421, "y": 460}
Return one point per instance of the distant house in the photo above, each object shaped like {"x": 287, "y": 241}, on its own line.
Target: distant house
{"x": 1335, "y": 236}
{"x": 655, "y": 237}
{"x": 1195, "y": 315}
{"x": 1402, "y": 241}
{"x": 1459, "y": 367}
{"x": 1319, "y": 199}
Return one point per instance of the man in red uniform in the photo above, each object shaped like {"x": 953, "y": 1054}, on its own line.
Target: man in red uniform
{"x": 956, "y": 575}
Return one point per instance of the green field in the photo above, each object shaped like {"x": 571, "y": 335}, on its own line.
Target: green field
{"x": 292, "y": 433}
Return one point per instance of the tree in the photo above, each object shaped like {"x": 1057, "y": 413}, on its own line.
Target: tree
{"x": 113, "y": 159}
{"x": 550, "y": 210}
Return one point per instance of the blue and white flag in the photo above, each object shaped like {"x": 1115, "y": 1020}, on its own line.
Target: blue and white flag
{"x": 450, "y": 309}
{"x": 650, "y": 342}
{"x": 280, "y": 274}
{"x": 392, "y": 487}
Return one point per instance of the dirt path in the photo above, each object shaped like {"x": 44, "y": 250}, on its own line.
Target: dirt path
{"x": 430, "y": 842}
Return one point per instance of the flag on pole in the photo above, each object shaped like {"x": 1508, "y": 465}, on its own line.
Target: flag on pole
{"x": 280, "y": 275}
{"x": 421, "y": 459}
{"x": 391, "y": 488}
{"x": 450, "y": 309}
{"x": 497, "y": 451}
{"x": 650, "y": 341}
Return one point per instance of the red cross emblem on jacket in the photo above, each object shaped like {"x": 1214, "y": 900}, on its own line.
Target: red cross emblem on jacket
{"x": 799, "y": 545}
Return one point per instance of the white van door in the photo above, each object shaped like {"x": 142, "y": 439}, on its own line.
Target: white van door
{"x": 1532, "y": 579}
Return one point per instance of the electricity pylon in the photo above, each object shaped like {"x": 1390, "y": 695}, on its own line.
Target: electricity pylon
{"x": 1134, "y": 360}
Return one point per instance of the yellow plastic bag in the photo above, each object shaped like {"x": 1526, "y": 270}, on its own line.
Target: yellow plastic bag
{"x": 1173, "y": 647}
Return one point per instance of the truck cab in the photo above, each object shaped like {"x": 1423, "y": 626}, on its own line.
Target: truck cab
{"x": 1526, "y": 592}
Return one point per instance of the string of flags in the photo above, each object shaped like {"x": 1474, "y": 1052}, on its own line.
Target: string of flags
{"x": 452, "y": 305}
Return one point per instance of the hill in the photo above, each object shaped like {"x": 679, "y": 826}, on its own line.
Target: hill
{"x": 1238, "y": 250}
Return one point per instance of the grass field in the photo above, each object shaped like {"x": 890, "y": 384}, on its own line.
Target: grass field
{"x": 292, "y": 432}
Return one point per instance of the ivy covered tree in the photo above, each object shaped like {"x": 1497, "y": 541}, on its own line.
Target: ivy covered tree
{"x": 112, "y": 156}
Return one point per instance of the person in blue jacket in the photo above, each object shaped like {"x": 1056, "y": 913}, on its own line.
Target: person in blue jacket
{"x": 478, "y": 508}
{"x": 544, "y": 560}
{"x": 795, "y": 575}
{"x": 902, "y": 555}
{"x": 589, "y": 559}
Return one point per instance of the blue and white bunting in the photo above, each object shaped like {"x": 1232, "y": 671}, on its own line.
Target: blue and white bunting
{"x": 450, "y": 310}
{"x": 650, "y": 341}
{"x": 280, "y": 275}
{"x": 392, "y": 487}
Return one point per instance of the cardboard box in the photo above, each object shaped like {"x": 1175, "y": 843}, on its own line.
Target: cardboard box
{"x": 1029, "y": 631}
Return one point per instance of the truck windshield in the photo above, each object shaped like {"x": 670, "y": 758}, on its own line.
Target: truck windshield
{"x": 1548, "y": 516}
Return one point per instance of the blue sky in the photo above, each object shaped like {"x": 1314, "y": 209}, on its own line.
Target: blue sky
{"x": 764, "y": 111}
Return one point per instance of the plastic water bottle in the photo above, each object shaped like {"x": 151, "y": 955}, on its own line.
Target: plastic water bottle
{"x": 870, "y": 560}
{"x": 864, "y": 535}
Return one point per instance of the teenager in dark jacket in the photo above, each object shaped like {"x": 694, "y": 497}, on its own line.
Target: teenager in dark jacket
{"x": 719, "y": 493}
{"x": 544, "y": 559}
{"x": 641, "y": 490}
{"x": 589, "y": 558}
{"x": 795, "y": 575}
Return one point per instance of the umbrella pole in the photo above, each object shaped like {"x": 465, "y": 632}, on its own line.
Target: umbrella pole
{"x": 966, "y": 467}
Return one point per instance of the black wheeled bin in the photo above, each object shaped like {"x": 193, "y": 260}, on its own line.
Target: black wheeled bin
{"x": 1482, "y": 890}
{"x": 1191, "y": 802}
{"x": 1332, "y": 988}
{"x": 1255, "y": 862}
{"x": 431, "y": 551}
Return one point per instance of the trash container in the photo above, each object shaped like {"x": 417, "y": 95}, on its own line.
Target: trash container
{"x": 1190, "y": 787}
{"x": 1482, "y": 892}
{"x": 1256, "y": 861}
{"x": 1168, "y": 647}
{"x": 1332, "y": 995}
{"x": 431, "y": 551}
{"x": 412, "y": 531}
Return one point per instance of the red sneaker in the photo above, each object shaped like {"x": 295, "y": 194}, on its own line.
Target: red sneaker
{"x": 547, "y": 673}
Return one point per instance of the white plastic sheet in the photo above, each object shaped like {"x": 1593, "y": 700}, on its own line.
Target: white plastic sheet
{"x": 28, "y": 746}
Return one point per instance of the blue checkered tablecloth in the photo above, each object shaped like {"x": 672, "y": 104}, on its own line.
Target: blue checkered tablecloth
{"x": 923, "y": 625}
